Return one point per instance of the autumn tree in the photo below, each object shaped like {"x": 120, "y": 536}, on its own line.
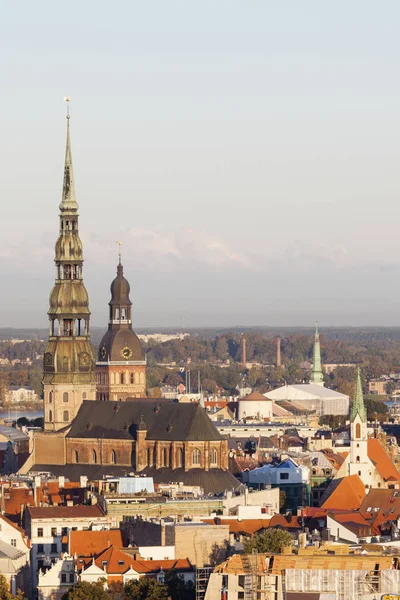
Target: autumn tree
{"x": 84, "y": 590}
{"x": 146, "y": 588}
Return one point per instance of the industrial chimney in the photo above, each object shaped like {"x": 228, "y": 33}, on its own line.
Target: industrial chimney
{"x": 244, "y": 359}
{"x": 278, "y": 352}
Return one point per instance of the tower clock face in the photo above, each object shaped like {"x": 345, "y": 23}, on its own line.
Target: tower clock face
{"x": 103, "y": 352}
{"x": 84, "y": 359}
{"x": 126, "y": 352}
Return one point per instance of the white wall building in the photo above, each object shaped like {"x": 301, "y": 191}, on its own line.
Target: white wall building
{"x": 255, "y": 406}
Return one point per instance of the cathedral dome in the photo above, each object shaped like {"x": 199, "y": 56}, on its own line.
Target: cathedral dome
{"x": 69, "y": 298}
{"x": 120, "y": 345}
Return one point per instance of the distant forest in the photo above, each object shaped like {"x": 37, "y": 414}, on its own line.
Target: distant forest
{"x": 376, "y": 350}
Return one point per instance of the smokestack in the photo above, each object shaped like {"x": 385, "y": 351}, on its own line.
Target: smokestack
{"x": 244, "y": 359}
{"x": 278, "y": 352}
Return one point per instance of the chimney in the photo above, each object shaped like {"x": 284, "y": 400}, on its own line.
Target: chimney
{"x": 244, "y": 358}
{"x": 278, "y": 352}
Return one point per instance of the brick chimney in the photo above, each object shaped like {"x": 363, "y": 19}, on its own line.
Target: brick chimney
{"x": 278, "y": 352}
{"x": 243, "y": 346}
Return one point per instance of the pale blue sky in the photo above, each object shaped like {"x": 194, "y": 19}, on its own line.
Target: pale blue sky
{"x": 246, "y": 153}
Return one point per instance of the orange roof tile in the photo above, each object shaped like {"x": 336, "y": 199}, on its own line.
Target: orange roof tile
{"x": 90, "y": 543}
{"x": 244, "y": 526}
{"x": 381, "y": 460}
{"x": 348, "y": 495}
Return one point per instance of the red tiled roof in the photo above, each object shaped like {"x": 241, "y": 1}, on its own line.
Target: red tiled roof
{"x": 348, "y": 495}
{"x": 243, "y": 526}
{"x": 256, "y": 396}
{"x": 381, "y": 460}
{"x": 65, "y": 512}
{"x": 287, "y": 522}
{"x": 90, "y": 543}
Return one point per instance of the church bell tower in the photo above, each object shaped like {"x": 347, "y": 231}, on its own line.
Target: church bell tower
{"x": 69, "y": 363}
{"x": 121, "y": 366}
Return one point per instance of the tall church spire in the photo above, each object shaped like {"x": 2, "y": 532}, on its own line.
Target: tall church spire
{"x": 317, "y": 375}
{"x": 68, "y": 201}
{"x": 69, "y": 365}
{"x": 358, "y": 407}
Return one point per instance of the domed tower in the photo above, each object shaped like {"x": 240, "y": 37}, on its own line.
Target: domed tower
{"x": 69, "y": 362}
{"x": 121, "y": 368}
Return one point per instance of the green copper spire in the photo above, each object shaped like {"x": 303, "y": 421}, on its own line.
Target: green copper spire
{"x": 358, "y": 401}
{"x": 316, "y": 374}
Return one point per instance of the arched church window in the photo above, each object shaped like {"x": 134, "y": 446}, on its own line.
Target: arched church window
{"x": 113, "y": 457}
{"x": 122, "y": 378}
{"x": 65, "y": 397}
{"x": 50, "y": 416}
{"x": 76, "y": 456}
{"x": 65, "y": 416}
{"x": 132, "y": 378}
{"x": 179, "y": 458}
{"x": 149, "y": 457}
{"x": 94, "y": 457}
{"x": 165, "y": 457}
{"x": 123, "y": 314}
{"x": 213, "y": 457}
{"x": 196, "y": 457}
{"x": 358, "y": 430}
{"x": 116, "y": 316}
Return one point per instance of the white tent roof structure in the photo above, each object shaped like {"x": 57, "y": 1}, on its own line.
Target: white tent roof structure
{"x": 304, "y": 391}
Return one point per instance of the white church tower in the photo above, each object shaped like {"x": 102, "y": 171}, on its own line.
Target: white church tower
{"x": 359, "y": 463}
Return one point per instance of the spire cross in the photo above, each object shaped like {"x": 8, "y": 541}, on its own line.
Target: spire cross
{"x": 119, "y": 244}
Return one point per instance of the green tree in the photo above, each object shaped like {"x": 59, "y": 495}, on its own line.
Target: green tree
{"x": 282, "y": 499}
{"x": 270, "y": 540}
{"x": 146, "y": 588}
{"x": 5, "y": 593}
{"x": 84, "y": 590}
{"x": 178, "y": 588}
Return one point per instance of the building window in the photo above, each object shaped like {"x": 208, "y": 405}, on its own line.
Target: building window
{"x": 196, "y": 457}
{"x": 40, "y": 532}
{"x": 71, "y": 578}
{"x": 53, "y": 548}
{"x": 50, "y": 416}
{"x": 359, "y": 473}
{"x": 65, "y": 397}
{"x": 76, "y": 456}
{"x": 358, "y": 431}
{"x": 40, "y": 548}
{"x": 132, "y": 378}
{"x": 358, "y": 459}
{"x": 113, "y": 457}
{"x": 122, "y": 378}
{"x": 50, "y": 397}
{"x": 165, "y": 457}
{"x": 94, "y": 457}
{"x": 53, "y": 531}
{"x": 65, "y": 416}
{"x": 283, "y": 476}
{"x": 13, "y": 542}
{"x": 180, "y": 457}
{"x": 149, "y": 455}
{"x": 84, "y": 396}
{"x": 213, "y": 457}
{"x": 63, "y": 578}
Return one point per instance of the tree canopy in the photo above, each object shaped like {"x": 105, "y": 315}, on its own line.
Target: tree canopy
{"x": 270, "y": 540}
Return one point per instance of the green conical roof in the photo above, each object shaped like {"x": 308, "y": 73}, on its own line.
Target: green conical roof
{"x": 317, "y": 375}
{"x": 358, "y": 401}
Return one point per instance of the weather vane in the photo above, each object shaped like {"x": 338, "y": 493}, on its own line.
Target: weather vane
{"x": 67, "y": 99}
{"x": 119, "y": 244}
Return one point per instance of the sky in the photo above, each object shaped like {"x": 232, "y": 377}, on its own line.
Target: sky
{"x": 246, "y": 154}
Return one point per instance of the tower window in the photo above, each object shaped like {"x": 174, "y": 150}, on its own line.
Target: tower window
{"x": 149, "y": 457}
{"x": 122, "y": 378}
{"x": 165, "y": 457}
{"x": 65, "y": 397}
{"x": 358, "y": 459}
{"x": 132, "y": 378}
{"x": 358, "y": 431}
{"x": 116, "y": 316}
{"x": 94, "y": 457}
{"x": 113, "y": 457}
{"x": 50, "y": 397}
{"x": 50, "y": 416}
{"x": 213, "y": 457}
{"x": 76, "y": 456}
{"x": 196, "y": 457}
{"x": 65, "y": 416}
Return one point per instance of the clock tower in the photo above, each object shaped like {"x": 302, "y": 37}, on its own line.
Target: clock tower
{"x": 69, "y": 364}
{"x": 121, "y": 366}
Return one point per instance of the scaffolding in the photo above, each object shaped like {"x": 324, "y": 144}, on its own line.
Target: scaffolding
{"x": 202, "y": 577}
